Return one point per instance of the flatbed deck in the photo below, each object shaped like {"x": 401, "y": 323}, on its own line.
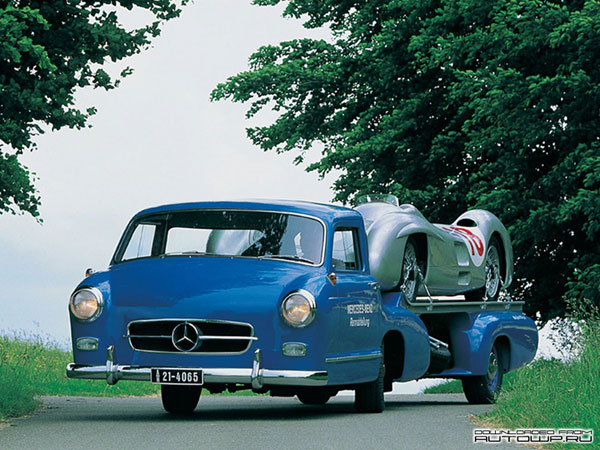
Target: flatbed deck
{"x": 425, "y": 305}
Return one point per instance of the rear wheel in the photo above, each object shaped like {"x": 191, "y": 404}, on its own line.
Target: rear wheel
{"x": 180, "y": 399}
{"x": 484, "y": 389}
{"x": 493, "y": 277}
{"x": 368, "y": 397}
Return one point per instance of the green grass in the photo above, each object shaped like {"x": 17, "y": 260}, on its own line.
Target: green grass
{"x": 16, "y": 394}
{"x": 32, "y": 368}
{"x": 449, "y": 387}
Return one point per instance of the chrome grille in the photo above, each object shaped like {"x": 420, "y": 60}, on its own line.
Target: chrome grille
{"x": 214, "y": 337}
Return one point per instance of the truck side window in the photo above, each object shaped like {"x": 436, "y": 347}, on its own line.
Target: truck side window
{"x": 140, "y": 244}
{"x": 345, "y": 249}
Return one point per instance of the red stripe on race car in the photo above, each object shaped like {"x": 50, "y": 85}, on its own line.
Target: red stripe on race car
{"x": 473, "y": 240}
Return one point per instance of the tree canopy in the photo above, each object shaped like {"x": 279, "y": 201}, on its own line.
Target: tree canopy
{"x": 451, "y": 105}
{"x": 49, "y": 49}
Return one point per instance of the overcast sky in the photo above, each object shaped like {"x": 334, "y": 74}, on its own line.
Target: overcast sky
{"x": 156, "y": 139}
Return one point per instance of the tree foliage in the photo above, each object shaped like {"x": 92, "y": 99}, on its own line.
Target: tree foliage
{"x": 450, "y": 105}
{"x": 48, "y": 49}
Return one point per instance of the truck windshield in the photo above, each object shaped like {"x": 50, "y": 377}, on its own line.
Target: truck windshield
{"x": 251, "y": 234}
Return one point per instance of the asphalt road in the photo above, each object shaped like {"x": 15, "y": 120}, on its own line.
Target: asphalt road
{"x": 409, "y": 422}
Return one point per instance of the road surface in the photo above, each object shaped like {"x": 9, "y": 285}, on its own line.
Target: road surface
{"x": 421, "y": 422}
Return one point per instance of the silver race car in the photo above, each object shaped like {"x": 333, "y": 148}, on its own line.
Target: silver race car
{"x": 472, "y": 256}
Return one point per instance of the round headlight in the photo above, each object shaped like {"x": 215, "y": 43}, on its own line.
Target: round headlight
{"x": 299, "y": 308}
{"x": 86, "y": 304}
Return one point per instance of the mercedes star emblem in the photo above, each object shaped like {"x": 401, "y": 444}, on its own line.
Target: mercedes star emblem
{"x": 185, "y": 337}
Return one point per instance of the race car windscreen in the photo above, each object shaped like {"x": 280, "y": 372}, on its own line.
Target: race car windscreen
{"x": 251, "y": 234}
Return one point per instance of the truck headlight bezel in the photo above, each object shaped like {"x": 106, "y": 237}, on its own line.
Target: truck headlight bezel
{"x": 298, "y": 308}
{"x": 86, "y": 304}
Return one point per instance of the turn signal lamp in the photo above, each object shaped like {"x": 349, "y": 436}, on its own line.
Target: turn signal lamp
{"x": 293, "y": 349}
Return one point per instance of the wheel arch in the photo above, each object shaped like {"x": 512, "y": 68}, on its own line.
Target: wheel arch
{"x": 394, "y": 352}
{"x": 502, "y": 343}
{"x": 422, "y": 250}
{"x": 503, "y": 261}
{"x": 491, "y": 226}
{"x": 387, "y": 241}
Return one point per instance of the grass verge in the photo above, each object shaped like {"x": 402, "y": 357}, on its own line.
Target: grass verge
{"x": 32, "y": 368}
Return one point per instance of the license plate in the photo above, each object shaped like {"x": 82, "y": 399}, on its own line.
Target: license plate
{"x": 177, "y": 376}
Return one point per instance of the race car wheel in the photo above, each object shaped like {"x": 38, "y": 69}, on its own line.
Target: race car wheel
{"x": 484, "y": 389}
{"x": 493, "y": 277}
{"x": 314, "y": 397}
{"x": 409, "y": 283}
{"x": 180, "y": 399}
{"x": 368, "y": 397}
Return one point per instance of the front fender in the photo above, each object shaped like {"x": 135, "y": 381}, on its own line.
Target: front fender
{"x": 387, "y": 239}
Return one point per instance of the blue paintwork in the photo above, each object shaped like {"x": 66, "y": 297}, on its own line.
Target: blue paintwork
{"x": 475, "y": 333}
{"x": 414, "y": 335}
{"x": 251, "y": 291}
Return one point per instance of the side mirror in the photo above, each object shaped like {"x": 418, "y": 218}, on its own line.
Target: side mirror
{"x": 88, "y": 272}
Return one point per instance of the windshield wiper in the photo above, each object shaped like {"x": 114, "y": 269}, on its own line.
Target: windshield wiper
{"x": 288, "y": 257}
{"x": 187, "y": 253}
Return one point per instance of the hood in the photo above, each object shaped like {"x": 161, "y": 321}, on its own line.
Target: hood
{"x": 212, "y": 286}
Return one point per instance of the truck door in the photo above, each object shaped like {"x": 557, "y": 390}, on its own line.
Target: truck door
{"x": 357, "y": 298}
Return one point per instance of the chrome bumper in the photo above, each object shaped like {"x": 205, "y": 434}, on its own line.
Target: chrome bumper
{"x": 256, "y": 376}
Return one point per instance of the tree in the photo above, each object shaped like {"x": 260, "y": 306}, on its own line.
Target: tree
{"x": 450, "y": 105}
{"x": 49, "y": 49}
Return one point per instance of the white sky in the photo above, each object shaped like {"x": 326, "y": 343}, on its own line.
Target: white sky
{"x": 156, "y": 139}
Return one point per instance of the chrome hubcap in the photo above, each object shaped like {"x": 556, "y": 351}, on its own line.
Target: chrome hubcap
{"x": 409, "y": 272}
{"x": 492, "y": 272}
{"x": 492, "y": 370}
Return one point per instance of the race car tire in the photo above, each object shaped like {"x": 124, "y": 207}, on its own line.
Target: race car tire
{"x": 484, "y": 389}
{"x": 411, "y": 269}
{"x": 368, "y": 397}
{"x": 493, "y": 277}
{"x": 180, "y": 399}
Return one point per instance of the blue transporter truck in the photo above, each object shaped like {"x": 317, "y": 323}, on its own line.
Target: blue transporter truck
{"x": 301, "y": 299}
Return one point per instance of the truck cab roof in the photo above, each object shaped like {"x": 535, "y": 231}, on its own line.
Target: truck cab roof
{"x": 327, "y": 213}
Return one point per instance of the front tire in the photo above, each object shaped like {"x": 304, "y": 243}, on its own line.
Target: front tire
{"x": 368, "y": 397}
{"x": 314, "y": 397}
{"x": 412, "y": 272}
{"x": 484, "y": 389}
{"x": 180, "y": 399}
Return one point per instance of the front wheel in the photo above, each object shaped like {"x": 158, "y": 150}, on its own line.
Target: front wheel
{"x": 368, "y": 397}
{"x": 412, "y": 271}
{"x": 180, "y": 399}
{"x": 484, "y": 389}
{"x": 314, "y": 397}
